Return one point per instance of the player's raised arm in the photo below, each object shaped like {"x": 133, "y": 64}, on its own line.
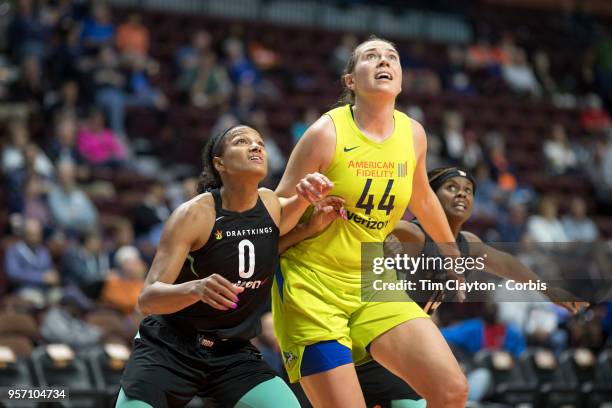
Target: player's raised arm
{"x": 184, "y": 231}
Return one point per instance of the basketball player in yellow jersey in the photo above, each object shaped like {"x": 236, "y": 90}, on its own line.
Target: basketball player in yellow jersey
{"x": 375, "y": 158}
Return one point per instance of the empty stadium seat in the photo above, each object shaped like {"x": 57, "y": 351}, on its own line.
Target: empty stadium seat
{"x": 107, "y": 363}
{"x": 58, "y": 365}
{"x": 16, "y": 323}
{"x": 110, "y": 323}
{"x": 510, "y": 385}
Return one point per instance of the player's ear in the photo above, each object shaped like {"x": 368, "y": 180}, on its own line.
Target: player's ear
{"x": 218, "y": 163}
{"x": 349, "y": 81}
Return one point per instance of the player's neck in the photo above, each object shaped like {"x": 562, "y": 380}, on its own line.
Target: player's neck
{"x": 455, "y": 228}
{"x": 239, "y": 197}
{"x": 374, "y": 119}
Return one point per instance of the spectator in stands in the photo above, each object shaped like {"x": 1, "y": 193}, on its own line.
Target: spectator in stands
{"x": 87, "y": 265}
{"x": 560, "y": 157}
{"x": 241, "y": 70}
{"x": 140, "y": 91}
{"x": 245, "y": 103}
{"x": 594, "y": 118}
{"x": 342, "y": 53}
{"x": 29, "y": 268}
{"x": 109, "y": 84}
{"x": 121, "y": 289}
{"x": 309, "y": 116}
{"x": 541, "y": 65}
{"x": 188, "y": 57}
{"x": 577, "y": 225}
{"x": 599, "y": 170}
{"x": 68, "y": 101}
{"x": 98, "y": 29}
{"x": 63, "y": 147}
{"x": 185, "y": 191}
{"x": 454, "y": 143}
{"x": 488, "y": 195}
{"x": 211, "y": 85}
{"x": 122, "y": 235}
{"x": 545, "y": 226}
{"x": 454, "y": 75}
{"x": 472, "y": 152}
{"x": 512, "y": 226}
{"x": 26, "y": 32}
{"x": 473, "y": 335}
{"x": 13, "y": 155}
{"x": 35, "y": 201}
{"x": 31, "y": 86}
{"x": 70, "y": 208}
{"x": 519, "y": 76}
{"x": 99, "y": 145}
{"x": 151, "y": 213}
{"x": 132, "y": 36}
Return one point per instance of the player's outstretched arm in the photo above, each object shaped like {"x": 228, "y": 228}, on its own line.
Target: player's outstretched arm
{"x": 506, "y": 266}
{"x": 187, "y": 228}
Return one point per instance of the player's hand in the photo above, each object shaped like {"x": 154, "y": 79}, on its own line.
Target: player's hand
{"x": 218, "y": 292}
{"x": 325, "y": 211}
{"x": 566, "y": 300}
{"x": 314, "y": 187}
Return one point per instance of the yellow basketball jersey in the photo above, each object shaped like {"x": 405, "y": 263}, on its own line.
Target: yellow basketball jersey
{"x": 375, "y": 179}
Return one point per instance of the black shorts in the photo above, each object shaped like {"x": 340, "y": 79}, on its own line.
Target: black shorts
{"x": 380, "y": 386}
{"x": 168, "y": 368}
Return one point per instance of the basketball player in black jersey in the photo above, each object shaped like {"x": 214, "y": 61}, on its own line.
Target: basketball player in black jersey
{"x": 210, "y": 282}
{"x": 455, "y": 190}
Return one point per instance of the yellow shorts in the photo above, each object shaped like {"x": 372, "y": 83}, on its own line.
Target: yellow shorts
{"x": 310, "y": 307}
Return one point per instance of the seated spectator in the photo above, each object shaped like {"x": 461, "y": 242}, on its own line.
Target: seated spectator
{"x": 476, "y": 334}
{"x": 122, "y": 289}
{"x": 298, "y": 128}
{"x": 140, "y": 91}
{"x": 188, "y": 56}
{"x": 98, "y": 29}
{"x": 342, "y": 53}
{"x": 109, "y": 83}
{"x": 241, "y": 70}
{"x": 98, "y": 144}
{"x": 454, "y": 143}
{"x": 472, "y": 152}
{"x": 183, "y": 191}
{"x": 245, "y": 103}
{"x": 541, "y": 65}
{"x": 35, "y": 201}
{"x": 263, "y": 54}
{"x": 577, "y": 226}
{"x": 594, "y": 118}
{"x": 545, "y": 226}
{"x": 512, "y": 226}
{"x": 70, "y": 208}
{"x": 488, "y": 194}
{"x": 13, "y": 155}
{"x": 211, "y": 85}
{"x": 151, "y": 213}
{"x": 31, "y": 86}
{"x": 29, "y": 268}
{"x": 63, "y": 145}
{"x": 599, "y": 171}
{"x": 87, "y": 265}
{"x": 560, "y": 157}
{"x": 454, "y": 75}
{"x": 519, "y": 75}
{"x": 26, "y": 32}
{"x": 132, "y": 36}
{"x": 67, "y": 101}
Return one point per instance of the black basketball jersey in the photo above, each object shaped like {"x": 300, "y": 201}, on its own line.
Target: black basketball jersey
{"x": 243, "y": 248}
{"x": 430, "y": 250}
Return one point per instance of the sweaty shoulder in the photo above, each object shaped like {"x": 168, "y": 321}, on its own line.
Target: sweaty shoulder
{"x": 194, "y": 220}
{"x": 270, "y": 200}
